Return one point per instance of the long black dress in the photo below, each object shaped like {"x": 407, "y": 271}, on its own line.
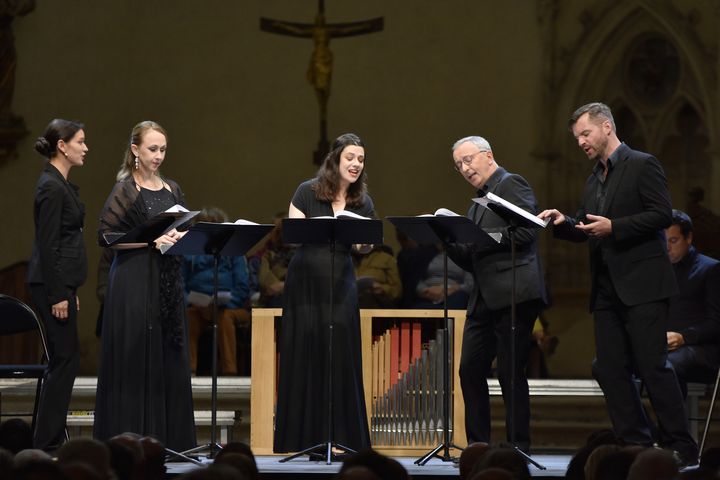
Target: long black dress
{"x": 301, "y": 415}
{"x": 143, "y": 388}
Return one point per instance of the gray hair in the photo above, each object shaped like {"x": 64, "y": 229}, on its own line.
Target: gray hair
{"x": 594, "y": 110}
{"x": 479, "y": 142}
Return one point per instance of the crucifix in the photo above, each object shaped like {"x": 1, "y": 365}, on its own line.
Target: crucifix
{"x": 319, "y": 72}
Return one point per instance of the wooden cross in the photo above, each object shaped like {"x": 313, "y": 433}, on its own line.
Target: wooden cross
{"x": 319, "y": 72}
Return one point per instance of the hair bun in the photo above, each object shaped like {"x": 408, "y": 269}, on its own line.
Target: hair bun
{"x": 43, "y": 147}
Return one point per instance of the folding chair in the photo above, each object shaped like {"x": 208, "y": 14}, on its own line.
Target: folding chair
{"x": 709, "y": 418}
{"x": 17, "y": 317}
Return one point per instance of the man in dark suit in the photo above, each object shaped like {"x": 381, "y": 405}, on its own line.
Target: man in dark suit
{"x": 487, "y": 331}
{"x": 693, "y": 335}
{"x": 625, "y": 208}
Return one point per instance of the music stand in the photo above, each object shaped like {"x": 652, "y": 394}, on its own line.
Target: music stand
{"x": 342, "y": 230}
{"x": 145, "y": 234}
{"x": 515, "y": 218}
{"x": 217, "y": 239}
{"x": 434, "y": 230}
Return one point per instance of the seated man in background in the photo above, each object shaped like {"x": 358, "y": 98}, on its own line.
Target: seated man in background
{"x": 694, "y": 318}
{"x": 198, "y": 271}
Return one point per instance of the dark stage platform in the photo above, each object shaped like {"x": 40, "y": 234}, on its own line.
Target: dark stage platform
{"x": 301, "y": 468}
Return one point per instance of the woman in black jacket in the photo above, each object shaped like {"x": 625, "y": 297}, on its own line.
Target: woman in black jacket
{"x": 58, "y": 266}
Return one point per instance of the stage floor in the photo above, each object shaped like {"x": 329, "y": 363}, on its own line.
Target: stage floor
{"x": 270, "y": 467}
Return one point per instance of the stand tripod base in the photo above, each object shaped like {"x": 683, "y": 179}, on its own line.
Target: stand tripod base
{"x": 529, "y": 459}
{"x": 435, "y": 452}
{"x": 327, "y": 451}
{"x": 170, "y": 454}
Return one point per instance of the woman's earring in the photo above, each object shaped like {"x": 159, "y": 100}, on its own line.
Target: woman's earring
{"x": 137, "y": 163}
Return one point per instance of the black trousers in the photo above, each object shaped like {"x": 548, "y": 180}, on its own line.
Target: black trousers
{"x": 629, "y": 340}
{"x": 64, "y": 352}
{"x": 487, "y": 335}
{"x": 695, "y": 363}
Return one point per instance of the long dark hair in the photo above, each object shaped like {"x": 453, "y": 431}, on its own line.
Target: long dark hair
{"x": 328, "y": 175}
{"x": 56, "y": 130}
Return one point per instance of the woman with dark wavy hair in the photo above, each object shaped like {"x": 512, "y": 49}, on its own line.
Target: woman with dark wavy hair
{"x": 301, "y": 417}
{"x": 58, "y": 267}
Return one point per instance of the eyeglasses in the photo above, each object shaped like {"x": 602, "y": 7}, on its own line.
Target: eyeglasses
{"x": 467, "y": 160}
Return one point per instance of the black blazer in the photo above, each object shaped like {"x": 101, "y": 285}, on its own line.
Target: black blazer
{"x": 491, "y": 266}
{"x": 638, "y": 204}
{"x": 58, "y": 258}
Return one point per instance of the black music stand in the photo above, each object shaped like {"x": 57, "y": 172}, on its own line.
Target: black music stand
{"x": 217, "y": 239}
{"x": 342, "y": 230}
{"x": 146, "y": 233}
{"x": 433, "y": 230}
{"x": 515, "y": 218}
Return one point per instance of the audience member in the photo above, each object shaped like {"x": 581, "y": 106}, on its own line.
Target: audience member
{"x": 357, "y": 473}
{"x": 384, "y": 467}
{"x": 507, "y": 459}
{"x": 80, "y": 471}
{"x": 232, "y": 279}
{"x": 470, "y": 456}
{"x": 40, "y": 471}
{"x": 377, "y": 276}
{"x": 430, "y": 290}
{"x": 214, "y": 472}
{"x": 31, "y": 455}
{"x": 153, "y": 465}
{"x": 6, "y": 464}
{"x": 654, "y": 464}
{"x": 240, "y": 462}
{"x": 274, "y": 261}
{"x": 15, "y": 435}
{"x": 710, "y": 459}
{"x": 616, "y": 466}
{"x": 91, "y": 452}
{"x": 595, "y": 457}
{"x": 123, "y": 460}
{"x": 493, "y": 474}
{"x": 237, "y": 447}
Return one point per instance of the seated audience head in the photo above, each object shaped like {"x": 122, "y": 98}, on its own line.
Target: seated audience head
{"x": 240, "y": 462}
{"x": 357, "y": 473}
{"x": 87, "y": 451}
{"x": 493, "y": 474}
{"x": 153, "y": 457}
{"x": 40, "y": 471}
{"x": 213, "y": 472}
{"x": 15, "y": 435}
{"x": 82, "y": 471}
{"x": 616, "y": 465}
{"x": 653, "y": 464}
{"x": 595, "y": 457}
{"x": 124, "y": 460}
{"x": 237, "y": 447}
{"x": 384, "y": 467}
{"x": 504, "y": 458}
{"x": 212, "y": 214}
{"x": 679, "y": 236}
{"x": 470, "y": 456}
{"x": 31, "y": 455}
{"x": 710, "y": 459}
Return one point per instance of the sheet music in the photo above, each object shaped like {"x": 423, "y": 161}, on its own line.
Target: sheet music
{"x": 491, "y": 198}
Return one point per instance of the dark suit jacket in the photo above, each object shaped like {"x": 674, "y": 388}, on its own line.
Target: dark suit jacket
{"x": 491, "y": 266}
{"x": 58, "y": 258}
{"x": 695, "y": 311}
{"x": 638, "y": 204}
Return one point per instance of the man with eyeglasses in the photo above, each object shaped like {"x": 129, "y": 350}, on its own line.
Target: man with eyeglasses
{"x": 487, "y": 333}
{"x": 625, "y": 209}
